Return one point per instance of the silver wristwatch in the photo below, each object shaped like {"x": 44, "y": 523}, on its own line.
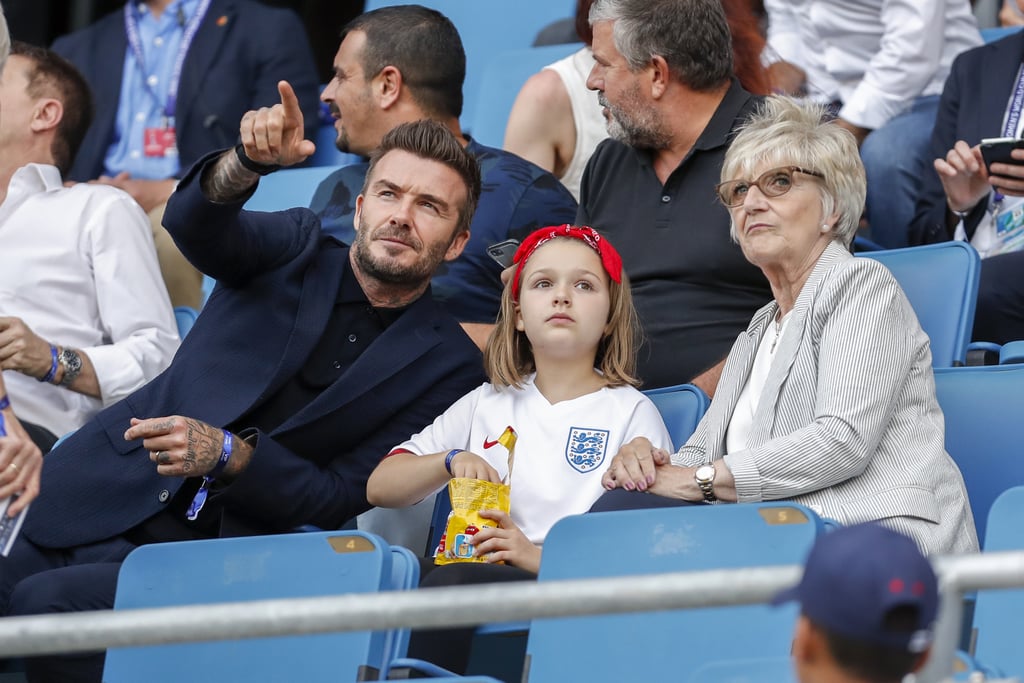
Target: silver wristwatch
{"x": 72, "y": 364}
{"x": 705, "y": 477}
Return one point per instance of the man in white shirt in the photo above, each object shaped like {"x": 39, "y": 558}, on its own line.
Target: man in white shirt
{"x": 883, "y": 64}
{"x": 84, "y": 315}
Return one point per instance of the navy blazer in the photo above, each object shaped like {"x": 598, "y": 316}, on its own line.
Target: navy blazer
{"x": 972, "y": 106}
{"x": 241, "y": 51}
{"x": 278, "y": 277}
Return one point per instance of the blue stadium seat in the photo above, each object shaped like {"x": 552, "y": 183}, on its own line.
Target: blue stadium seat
{"x": 288, "y": 188}
{"x": 742, "y": 670}
{"x": 984, "y": 430}
{"x": 185, "y": 317}
{"x": 254, "y": 568}
{"x": 503, "y": 77}
{"x": 488, "y": 27}
{"x": 681, "y": 407}
{"x": 999, "y": 615}
{"x": 636, "y": 542}
{"x": 941, "y": 282}
{"x": 991, "y": 35}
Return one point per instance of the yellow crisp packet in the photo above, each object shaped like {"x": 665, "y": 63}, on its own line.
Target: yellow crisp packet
{"x": 469, "y": 497}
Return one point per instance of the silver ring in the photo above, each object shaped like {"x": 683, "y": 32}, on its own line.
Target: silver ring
{"x": 16, "y": 468}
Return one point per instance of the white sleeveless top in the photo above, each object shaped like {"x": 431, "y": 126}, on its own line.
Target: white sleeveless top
{"x": 586, "y": 114}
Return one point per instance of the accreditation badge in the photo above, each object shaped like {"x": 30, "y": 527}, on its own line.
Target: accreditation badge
{"x": 1009, "y": 231}
{"x": 159, "y": 142}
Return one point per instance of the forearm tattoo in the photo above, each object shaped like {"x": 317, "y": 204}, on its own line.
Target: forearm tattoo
{"x": 203, "y": 449}
{"x": 227, "y": 180}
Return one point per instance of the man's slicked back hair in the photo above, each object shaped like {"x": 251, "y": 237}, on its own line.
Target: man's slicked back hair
{"x": 432, "y": 140}
{"x": 424, "y": 46}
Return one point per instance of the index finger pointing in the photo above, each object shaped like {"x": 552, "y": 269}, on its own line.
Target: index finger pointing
{"x": 289, "y": 101}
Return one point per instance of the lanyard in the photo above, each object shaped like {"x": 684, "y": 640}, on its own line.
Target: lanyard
{"x": 131, "y": 26}
{"x": 1016, "y": 104}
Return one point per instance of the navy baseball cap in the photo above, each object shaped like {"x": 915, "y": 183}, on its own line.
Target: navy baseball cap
{"x": 856, "y": 575}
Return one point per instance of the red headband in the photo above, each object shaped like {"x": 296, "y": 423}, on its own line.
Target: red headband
{"x": 610, "y": 259}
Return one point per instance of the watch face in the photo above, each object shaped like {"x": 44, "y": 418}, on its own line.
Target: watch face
{"x": 705, "y": 473}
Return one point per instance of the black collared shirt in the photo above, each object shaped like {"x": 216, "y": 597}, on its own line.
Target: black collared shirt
{"x": 354, "y": 325}
{"x": 694, "y": 291}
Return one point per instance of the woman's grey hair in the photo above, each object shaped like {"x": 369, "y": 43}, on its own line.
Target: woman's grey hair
{"x": 691, "y": 35}
{"x": 785, "y": 132}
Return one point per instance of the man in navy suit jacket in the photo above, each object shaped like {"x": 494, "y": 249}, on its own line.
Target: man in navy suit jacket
{"x": 240, "y": 50}
{"x": 309, "y": 362}
{"x": 957, "y": 200}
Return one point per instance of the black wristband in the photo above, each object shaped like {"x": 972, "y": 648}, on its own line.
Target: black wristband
{"x": 255, "y": 167}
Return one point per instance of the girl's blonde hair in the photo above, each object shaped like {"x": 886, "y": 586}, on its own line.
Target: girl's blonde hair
{"x": 508, "y": 357}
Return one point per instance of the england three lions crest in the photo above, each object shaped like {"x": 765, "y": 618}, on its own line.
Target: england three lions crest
{"x": 586, "y": 448}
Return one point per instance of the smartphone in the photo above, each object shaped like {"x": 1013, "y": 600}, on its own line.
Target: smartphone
{"x": 502, "y": 252}
{"x": 997, "y": 150}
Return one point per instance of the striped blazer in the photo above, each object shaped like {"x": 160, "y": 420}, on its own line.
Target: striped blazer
{"x": 848, "y": 423}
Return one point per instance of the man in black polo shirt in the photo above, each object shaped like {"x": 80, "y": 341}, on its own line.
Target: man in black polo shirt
{"x": 651, "y": 187}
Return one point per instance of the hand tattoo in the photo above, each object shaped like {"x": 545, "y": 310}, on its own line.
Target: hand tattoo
{"x": 165, "y": 426}
{"x": 203, "y": 449}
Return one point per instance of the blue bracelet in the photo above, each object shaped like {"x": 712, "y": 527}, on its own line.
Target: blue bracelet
{"x": 5, "y": 402}
{"x": 204, "y": 489}
{"x": 448, "y": 460}
{"x": 53, "y": 365}
{"x": 225, "y": 455}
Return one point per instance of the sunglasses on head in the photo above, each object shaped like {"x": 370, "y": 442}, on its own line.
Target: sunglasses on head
{"x": 774, "y": 182}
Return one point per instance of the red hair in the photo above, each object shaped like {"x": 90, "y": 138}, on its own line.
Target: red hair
{"x": 747, "y": 44}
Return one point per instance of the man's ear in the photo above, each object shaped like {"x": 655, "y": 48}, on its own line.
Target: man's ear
{"x": 388, "y": 86}
{"x": 660, "y": 76}
{"x": 358, "y": 213}
{"x": 47, "y": 114}
{"x": 807, "y": 642}
{"x": 457, "y": 245}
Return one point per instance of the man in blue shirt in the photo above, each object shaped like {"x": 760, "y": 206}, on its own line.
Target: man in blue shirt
{"x": 171, "y": 78}
{"x": 401, "y": 64}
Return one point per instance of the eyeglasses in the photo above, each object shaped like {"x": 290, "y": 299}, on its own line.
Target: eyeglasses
{"x": 772, "y": 183}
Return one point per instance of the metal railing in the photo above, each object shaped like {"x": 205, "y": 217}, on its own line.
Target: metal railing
{"x": 444, "y": 607}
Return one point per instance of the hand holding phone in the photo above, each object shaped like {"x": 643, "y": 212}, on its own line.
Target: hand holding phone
{"x": 997, "y": 150}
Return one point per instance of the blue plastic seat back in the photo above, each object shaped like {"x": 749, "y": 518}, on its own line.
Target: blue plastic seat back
{"x": 489, "y": 27}
{"x": 185, "y": 317}
{"x": 288, "y": 188}
{"x": 999, "y": 614}
{"x": 653, "y": 541}
{"x": 681, "y": 407}
{"x": 941, "y": 282}
{"x": 405, "y": 575}
{"x": 253, "y": 568}
{"x": 503, "y": 77}
{"x": 984, "y": 430}
{"x": 741, "y": 670}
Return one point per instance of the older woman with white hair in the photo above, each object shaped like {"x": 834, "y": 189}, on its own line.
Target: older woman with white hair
{"x": 828, "y": 398}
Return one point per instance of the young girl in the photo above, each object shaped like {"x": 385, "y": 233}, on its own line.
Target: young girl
{"x": 561, "y": 362}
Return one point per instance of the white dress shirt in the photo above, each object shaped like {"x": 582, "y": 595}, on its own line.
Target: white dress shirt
{"x": 875, "y": 56}
{"x": 78, "y": 265}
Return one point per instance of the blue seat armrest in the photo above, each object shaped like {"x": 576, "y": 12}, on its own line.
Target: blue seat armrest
{"x": 402, "y": 668}
{"x": 1011, "y": 352}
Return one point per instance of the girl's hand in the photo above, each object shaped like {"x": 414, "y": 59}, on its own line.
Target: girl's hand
{"x": 505, "y": 543}
{"x": 472, "y": 466}
{"x": 634, "y": 467}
